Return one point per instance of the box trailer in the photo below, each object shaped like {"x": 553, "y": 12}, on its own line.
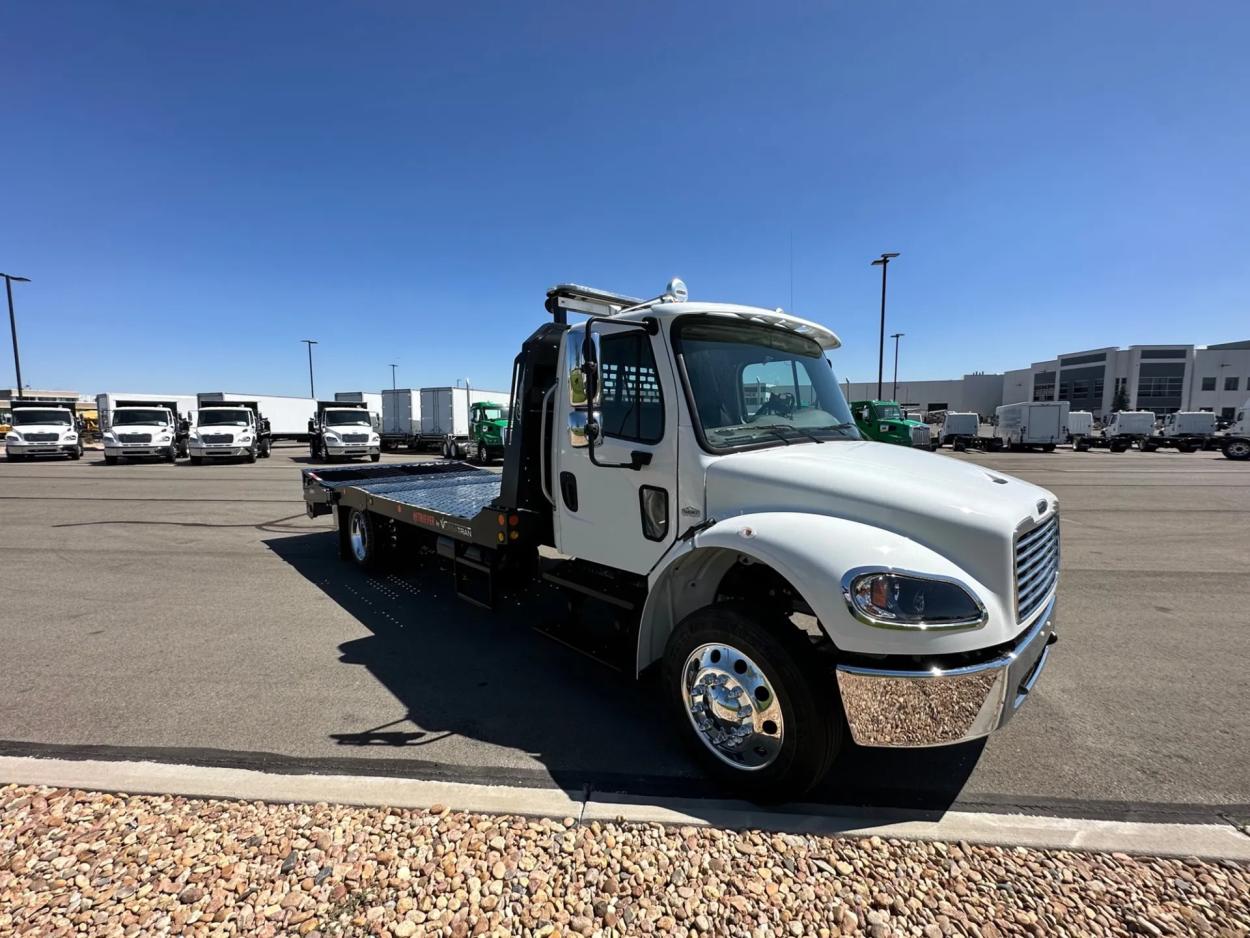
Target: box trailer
{"x": 445, "y": 417}
{"x": 288, "y": 416}
{"x": 1032, "y": 424}
{"x": 401, "y": 417}
{"x": 1080, "y": 429}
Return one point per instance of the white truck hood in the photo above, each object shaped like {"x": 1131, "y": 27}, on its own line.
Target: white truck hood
{"x": 954, "y": 508}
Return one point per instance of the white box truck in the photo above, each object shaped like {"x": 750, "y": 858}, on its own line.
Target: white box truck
{"x": 1127, "y": 427}
{"x": 445, "y": 417}
{"x": 371, "y": 399}
{"x": 959, "y": 430}
{"x": 1032, "y": 424}
{"x": 401, "y": 417}
{"x": 1080, "y": 429}
{"x": 287, "y": 416}
{"x": 109, "y": 401}
{"x": 1184, "y": 431}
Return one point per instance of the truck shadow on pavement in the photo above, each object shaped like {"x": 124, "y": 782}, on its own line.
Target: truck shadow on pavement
{"x": 463, "y": 676}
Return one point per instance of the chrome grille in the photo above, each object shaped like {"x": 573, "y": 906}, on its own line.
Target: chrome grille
{"x": 134, "y": 438}
{"x": 919, "y": 436}
{"x": 218, "y": 437}
{"x": 39, "y": 437}
{"x": 355, "y": 438}
{"x": 1037, "y": 566}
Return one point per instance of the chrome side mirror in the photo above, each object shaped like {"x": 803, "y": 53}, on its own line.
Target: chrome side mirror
{"x": 582, "y": 429}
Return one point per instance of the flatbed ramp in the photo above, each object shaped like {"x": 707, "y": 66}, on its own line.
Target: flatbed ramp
{"x": 447, "y": 496}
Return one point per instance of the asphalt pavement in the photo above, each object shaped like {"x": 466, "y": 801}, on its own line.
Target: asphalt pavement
{"x": 194, "y": 614}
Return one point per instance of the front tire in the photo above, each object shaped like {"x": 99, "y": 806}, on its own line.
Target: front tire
{"x": 110, "y": 460}
{"x": 197, "y": 460}
{"x": 374, "y": 457}
{"x": 751, "y": 704}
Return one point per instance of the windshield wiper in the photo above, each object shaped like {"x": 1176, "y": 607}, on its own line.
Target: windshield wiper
{"x": 776, "y": 427}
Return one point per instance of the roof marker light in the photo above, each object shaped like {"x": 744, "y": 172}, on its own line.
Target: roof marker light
{"x": 677, "y": 290}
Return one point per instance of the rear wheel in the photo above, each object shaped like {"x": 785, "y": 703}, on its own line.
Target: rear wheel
{"x": 751, "y": 703}
{"x": 1048, "y": 448}
{"x": 1238, "y": 449}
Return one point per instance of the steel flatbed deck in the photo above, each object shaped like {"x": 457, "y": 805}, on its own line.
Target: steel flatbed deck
{"x": 447, "y": 498}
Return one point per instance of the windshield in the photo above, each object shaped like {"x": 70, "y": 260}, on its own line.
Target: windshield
{"x": 223, "y": 418}
{"x": 26, "y": 417}
{"x": 494, "y": 413}
{"x": 755, "y": 385}
{"x": 886, "y": 412}
{"x": 347, "y": 418}
{"x": 122, "y": 418}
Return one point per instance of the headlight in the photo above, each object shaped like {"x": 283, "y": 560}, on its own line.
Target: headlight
{"x": 13, "y": 438}
{"x": 910, "y": 601}
{"x": 71, "y": 437}
{"x": 108, "y": 435}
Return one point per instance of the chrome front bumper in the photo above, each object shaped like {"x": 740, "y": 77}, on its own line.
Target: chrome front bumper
{"x": 138, "y": 449}
{"x": 41, "y": 449}
{"x": 219, "y": 449}
{"x": 353, "y": 450}
{"x": 939, "y": 707}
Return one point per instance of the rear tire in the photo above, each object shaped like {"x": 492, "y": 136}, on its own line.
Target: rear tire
{"x": 796, "y": 729}
{"x": 1237, "y": 449}
{"x": 1048, "y": 448}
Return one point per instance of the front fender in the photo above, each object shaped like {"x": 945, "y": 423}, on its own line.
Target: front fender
{"x": 811, "y": 552}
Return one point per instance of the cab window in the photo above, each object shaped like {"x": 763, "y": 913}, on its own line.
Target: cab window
{"x": 631, "y": 405}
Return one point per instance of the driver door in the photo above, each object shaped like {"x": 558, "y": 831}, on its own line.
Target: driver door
{"x": 606, "y": 513}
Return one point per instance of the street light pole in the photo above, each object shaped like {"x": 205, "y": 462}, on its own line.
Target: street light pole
{"x": 883, "y": 262}
{"x": 894, "y": 392}
{"x": 17, "y": 361}
{"x": 392, "y": 377}
{"x": 312, "y": 390}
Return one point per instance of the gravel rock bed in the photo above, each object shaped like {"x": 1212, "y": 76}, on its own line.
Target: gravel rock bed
{"x": 75, "y": 862}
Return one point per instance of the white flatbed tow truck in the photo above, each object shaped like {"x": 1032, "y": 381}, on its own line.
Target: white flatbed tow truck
{"x": 793, "y": 584}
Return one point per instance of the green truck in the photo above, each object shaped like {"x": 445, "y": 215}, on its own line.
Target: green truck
{"x": 885, "y": 422}
{"x": 488, "y": 429}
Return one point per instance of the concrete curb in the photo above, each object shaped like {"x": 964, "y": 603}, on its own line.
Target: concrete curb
{"x": 1206, "y": 841}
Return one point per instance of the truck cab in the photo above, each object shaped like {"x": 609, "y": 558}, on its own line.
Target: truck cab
{"x": 342, "y": 430}
{"x": 885, "y": 422}
{"x": 715, "y": 511}
{"x": 488, "y": 429}
{"x": 43, "y": 429}
{"x": 228, "y": 431}
{"x": 145, "y": 430}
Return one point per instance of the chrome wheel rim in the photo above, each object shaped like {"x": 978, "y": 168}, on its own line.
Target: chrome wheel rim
{"x": 732, "y": 706}
{"x": 1239, "y": 449}
{"x": 359, "y": 537}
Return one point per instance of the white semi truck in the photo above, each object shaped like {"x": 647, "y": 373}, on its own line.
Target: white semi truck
{"x": 287, "y": 416}
{"x": 43, "y": 429}
{"x": 1032, "y": 424}
{"x": 795, "y": 585}
{"x": 1185, "y": 431}
{"x": 1127, "y": 427}
{"x": 343, "y": 430}
{"x": 143, "y": 429}
{"x": 237, "y": 430}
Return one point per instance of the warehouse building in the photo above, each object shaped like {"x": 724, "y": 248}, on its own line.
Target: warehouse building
{"x": 1162, "y": 378}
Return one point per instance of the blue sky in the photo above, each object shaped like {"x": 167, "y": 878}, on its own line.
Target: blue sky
{"x": 193, "y": 188}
